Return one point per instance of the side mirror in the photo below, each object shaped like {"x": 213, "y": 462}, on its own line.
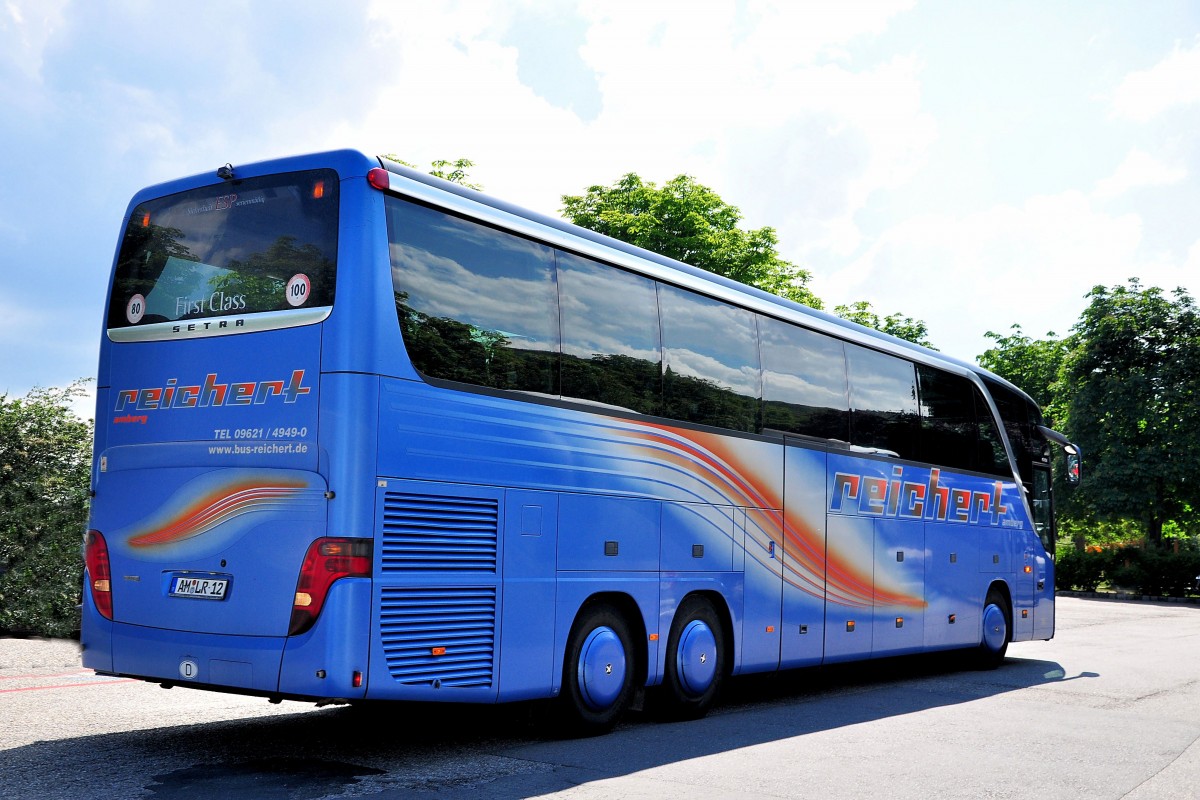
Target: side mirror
{"x": 1074, "y": 466}
{"x": 1074, "y": 457}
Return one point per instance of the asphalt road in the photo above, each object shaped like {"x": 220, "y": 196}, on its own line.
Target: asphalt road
{"x": 1108, "y": 709}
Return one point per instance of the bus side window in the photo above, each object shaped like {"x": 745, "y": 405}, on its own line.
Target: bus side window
{"x": 476, "y": 305}
{"x": 957, "y": 427}
{"x": 992, "y": 456}
{"x": 711, "y": 374}
{"x": 804, "y": 382}
{"x": 883, "y": 402}
{"x": 610, "y": 339}
{"x": 949, "y": 436}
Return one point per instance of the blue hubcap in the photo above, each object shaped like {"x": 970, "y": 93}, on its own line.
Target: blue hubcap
{"x": 995, "y": 628}
{"x": 696, "y": 658}
{"x": 601, "y": 668}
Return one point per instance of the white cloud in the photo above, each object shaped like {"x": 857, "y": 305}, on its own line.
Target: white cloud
{"x": 25, "y": 28}
{"x": 966, "y": 274}
{"x": 731, "y": 96}
{"x": 1192, "y": 265}
{"x": 1138, "y": 170}
{"x": 1172, "y": 82}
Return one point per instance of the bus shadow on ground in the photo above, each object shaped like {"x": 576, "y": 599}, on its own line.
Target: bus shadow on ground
{"x": 507, "y": 751}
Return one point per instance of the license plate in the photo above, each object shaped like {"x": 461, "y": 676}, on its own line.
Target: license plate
{"x": 206, "y": 588}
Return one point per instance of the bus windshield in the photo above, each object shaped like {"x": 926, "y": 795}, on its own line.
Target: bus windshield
{"x": 247, "y": 249}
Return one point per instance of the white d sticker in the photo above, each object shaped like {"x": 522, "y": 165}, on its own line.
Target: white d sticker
{"x": 135, "y": 309}
{"x": 297, "y": 290}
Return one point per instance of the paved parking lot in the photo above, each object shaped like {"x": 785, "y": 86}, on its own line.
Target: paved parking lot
{"x": 1109, "y": 709}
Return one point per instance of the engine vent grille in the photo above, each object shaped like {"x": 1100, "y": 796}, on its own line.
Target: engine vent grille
{"x": 442, "y": 637}
{"x": 433, "y": 533}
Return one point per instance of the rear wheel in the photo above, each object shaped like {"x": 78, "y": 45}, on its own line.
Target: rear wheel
{"x": 695, "y": 665}
{"x": 997, "y": 630}
{"x": 598, "y": 671}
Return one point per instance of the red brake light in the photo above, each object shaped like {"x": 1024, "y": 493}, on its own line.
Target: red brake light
{"x": 327, "y": 560}
{"x": 378, "y": 178}
{"x": 99, "y": 575}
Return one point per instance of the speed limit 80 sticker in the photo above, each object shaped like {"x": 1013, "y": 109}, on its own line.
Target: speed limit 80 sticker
{"x": 135, "y": 309}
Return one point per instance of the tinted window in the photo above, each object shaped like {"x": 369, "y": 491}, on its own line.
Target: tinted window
{"x": 949, "y": 436}
{"x": 475, "y": 304}
{"x": 247, "y": 246}
{"x": 992, "y": 456}
{"x": 957, "y": 429}
{"x": 610, "y": 347}
{"x": 804, "y": 381}
{"x": 883, "y": 401}
{"x": 1021, "y": 418}
{"x": 711, "y": 352}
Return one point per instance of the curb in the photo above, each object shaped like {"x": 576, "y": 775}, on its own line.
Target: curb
{"x": 1129, "y": 597}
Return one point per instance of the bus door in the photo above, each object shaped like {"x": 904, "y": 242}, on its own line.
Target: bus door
{"x": 1043, "y": 575}
{"x": 802, "y": 632}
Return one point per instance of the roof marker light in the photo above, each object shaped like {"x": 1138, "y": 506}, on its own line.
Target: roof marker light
{"x": 379, "y": 178}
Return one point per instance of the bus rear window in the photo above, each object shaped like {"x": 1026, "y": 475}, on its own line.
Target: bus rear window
{"x": 246, "y": 255}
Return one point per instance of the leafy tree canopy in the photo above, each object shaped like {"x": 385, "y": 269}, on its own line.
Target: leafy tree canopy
{"x": 45, "y": 464}
{"x": 898, "y": 325}
{"x": 1132, "y": 377}
{"x": 1032, "y": 364}
{"x": 689, "y": 222}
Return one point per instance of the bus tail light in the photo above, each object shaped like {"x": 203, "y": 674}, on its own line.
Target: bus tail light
{"x": 327, "y": 560}
{"x": 95, "y": 556}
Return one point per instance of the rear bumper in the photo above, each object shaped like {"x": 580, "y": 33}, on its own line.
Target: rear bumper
{"x": 317, "y": 665}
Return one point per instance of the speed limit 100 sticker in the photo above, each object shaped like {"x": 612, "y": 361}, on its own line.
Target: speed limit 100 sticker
{"x": 135, "y": 309}
{"x": 298, "y": 289}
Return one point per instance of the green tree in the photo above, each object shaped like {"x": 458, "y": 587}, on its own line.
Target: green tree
{"x": 898, "y": 325}
{"x": 45, "y": 466}
{"x": 454, "y": 171}
{"x": 1134, "y": 404}
{"x": 1034, "y": 365}
{"x": 689, "y": 222}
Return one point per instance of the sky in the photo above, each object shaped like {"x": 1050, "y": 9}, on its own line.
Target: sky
{"x": 972, "y": 165}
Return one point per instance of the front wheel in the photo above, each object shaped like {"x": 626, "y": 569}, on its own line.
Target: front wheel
{"x": 997, "y": 631}
{"x": 695, "y": 665}
{"x": 598, "y": 671}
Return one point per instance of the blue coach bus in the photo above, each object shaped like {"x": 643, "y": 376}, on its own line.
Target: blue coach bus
{"x": 362, "y": 434}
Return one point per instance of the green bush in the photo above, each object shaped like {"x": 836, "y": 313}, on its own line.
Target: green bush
{"x": 45, "y": 466}
{"x": 1157, "y": 571}
{"x": 1081, "y": 571}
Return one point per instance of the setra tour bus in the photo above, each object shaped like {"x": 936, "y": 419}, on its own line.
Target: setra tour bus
{"x": 362, "y": 434}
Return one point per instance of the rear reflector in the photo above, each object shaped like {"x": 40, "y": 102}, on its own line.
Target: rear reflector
{"x": 99, "y": 577}
{"x": 327, "y": 560}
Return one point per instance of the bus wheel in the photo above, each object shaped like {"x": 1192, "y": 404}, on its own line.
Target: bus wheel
{"x": 597, "y": 673}
{"x": 997, "y": 630}
{"x": 695, "y": 665}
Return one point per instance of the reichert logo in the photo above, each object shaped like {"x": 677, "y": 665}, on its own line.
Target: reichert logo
{"x": 211, "y": 393}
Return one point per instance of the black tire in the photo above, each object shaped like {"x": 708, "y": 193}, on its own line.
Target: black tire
{"x": 696, "y": 662}
{"x": 598, "y": 672}
{"x": 997, "y": 631}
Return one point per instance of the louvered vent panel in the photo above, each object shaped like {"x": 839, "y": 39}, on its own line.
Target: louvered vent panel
{"x": 444, "y": 637}
{"x": 439, "y": 534}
